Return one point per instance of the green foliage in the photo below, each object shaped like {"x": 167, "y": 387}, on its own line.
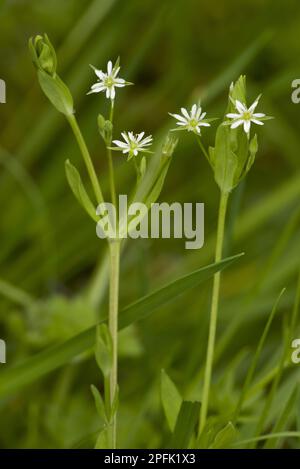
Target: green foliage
{"x": 49, "y": 250}
{"x": 79, "y": 191}
{"x": 171, "y": 399}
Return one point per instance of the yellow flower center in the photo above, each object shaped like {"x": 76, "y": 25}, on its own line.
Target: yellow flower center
{"x": 247, "y": 116}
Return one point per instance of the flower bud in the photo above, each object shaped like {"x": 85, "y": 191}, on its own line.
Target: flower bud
{"x": 43, "y": 54}
{"x": 105, "y": 128}
{"x": 44, "y": 59}
{"x": 169, "y": 146}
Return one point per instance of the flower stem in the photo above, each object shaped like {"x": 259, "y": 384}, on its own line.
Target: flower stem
{"x": 110, "y": 162}
{"x": 213, "y": 313}
{"x": 205, "y": 153}
{"x": 87, "y": 158}
{"x": 114, "y": 251}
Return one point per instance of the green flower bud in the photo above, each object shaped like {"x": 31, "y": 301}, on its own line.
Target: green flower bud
{"x": 43, "y": 54}
{"x": 105, "y": 128}
{"x": 169, "y": 146}
{"x": 44, "y": 59}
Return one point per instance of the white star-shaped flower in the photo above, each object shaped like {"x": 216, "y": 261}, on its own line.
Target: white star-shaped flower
{"x": 191, "y": 121}
{"x": 245, "y": 116}
{"x": 133, "y": 143}
{"x": 108, "y": 81}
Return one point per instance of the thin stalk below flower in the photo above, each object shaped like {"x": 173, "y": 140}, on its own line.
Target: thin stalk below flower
{"x": 205, "y": 153}
{"x": 213, "y": 313}
{"x": 87, "y": 158}
{"x": 110, "y": 162}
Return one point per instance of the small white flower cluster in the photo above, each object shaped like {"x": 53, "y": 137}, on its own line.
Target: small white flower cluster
{"x": 133, "y": 144}
{"x": 192, "y": 120}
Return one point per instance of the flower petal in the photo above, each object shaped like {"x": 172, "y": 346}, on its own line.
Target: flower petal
{"x": 233, "y": 116}
{"x": 247, "y": 125}
{"x": 185, "y": 113}
{"x": 120, "y": 144}
{"x": 240, "y": 106}
{"x": 236, "y": 123}
{"x": 257, "y": 122}
{"x": 109, "y": 67}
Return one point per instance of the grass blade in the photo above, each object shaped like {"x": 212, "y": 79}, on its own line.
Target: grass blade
{"x": 254, "y": 363}
{"x": 39, "y": 365}
{"x": 185, "y": 424}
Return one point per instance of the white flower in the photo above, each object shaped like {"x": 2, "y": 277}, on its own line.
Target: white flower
{"x": 133, "y": 144}
{"x": 245, "y": 116}
{"x": 108, "y": 81}
{"x": 191, "y": 121}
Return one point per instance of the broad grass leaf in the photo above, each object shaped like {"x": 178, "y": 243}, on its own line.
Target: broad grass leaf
{"x": 185, "y": 424}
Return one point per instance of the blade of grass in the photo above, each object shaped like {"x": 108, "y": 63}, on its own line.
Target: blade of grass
{"x": 185, "y": 424}
{"x": 283, "y": 419}
{"x": 39, "y": 365}
{"x": 267, "y": 437}
{"x": 256, "y": 357}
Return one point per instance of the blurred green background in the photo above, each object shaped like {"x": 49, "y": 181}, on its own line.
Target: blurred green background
{"x": 53, "y": 284}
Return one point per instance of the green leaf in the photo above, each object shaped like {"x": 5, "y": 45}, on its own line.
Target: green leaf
{"x": 185, "y": 424}
{"x": 225, "y": 437}
{"x": 78, "y": 190}
{"x": 171, "y": 399}
{"x": 99, "y": 404}
{"x": 103, "y": 349}
{"x": 283, "y": 418}
{"x": 115, "y": 405}
{"x": 225, "y": 161}
{"x": 256, "y": 357}
{"x": 103, "y": 439}
{"x": 253, "y": 147}
{"x": 11, "y": 379}
{"x": 57, "y": 92}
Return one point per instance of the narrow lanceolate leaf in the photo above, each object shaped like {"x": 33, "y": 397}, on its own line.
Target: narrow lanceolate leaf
{"x": 57, "y": 92}
{"x": 171, "y": 399}
{"x": 11, "y": 379}
{"x": 99, "y": 405}
{"x": 185, "y": 424}
{"x": 78, "y": 190}
{"x": 280, "y": 425}
{"x": 225, "y": 437}
{"x": 256, "y": 357}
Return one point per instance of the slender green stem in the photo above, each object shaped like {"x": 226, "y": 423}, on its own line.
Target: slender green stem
{"x": 87, "y": 158}
{"x": 113, "y": 325}
{"x": 110, "y": 162}
{"x": 213, "y": 313}
{"x": 205, "y": 153}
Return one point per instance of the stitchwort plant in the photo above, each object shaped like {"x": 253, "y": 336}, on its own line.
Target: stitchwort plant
{"x": 148, "y": 187}
{"x": 230, "y": 159}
